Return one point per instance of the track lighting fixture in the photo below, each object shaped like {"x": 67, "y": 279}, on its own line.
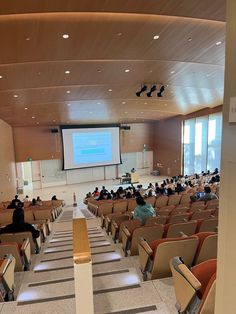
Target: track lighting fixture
{"x": 162, "y": 89}
{"x": 153, "y": 88}
{"x": 143, "y": 89}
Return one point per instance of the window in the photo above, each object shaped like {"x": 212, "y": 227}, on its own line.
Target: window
{"x": 202, "y": 143}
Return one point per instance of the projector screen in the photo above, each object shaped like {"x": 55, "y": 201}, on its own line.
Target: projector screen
{"x": 85, "y": 147}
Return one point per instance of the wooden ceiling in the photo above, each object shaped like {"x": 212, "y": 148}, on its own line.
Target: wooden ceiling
{"x": 107, "y": 37}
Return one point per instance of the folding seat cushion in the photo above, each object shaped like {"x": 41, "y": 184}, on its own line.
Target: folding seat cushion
{"x": 120, "y": 206}
{"x": 105, "y": 208}
{"x": 208, "y": 225}
{"x": 203, "y": 272}
{"x": 161, "y": 201}
{"x": 207, "y": 247}
{"x": 174, "y": 199}
{"x": 201, "y": 214}
{"x": 20, "y": 237}
{"x": 7, "y": 266}
{"x": 185, "y": 198}
{"x": 154, "y": 257}
{"x": 131, "y": 239}
{"x": 151, "y": 200}
{"x": 159, "y": 220}
{"x": 20, "y": 251}
{"x": 117, "y": 225}
{"x": 194, "y": 289}
{"x": 184, "y": 217}
{"x": 116, "y": 217}
{"x": 131, "y": 204}
{"x": 176, "y": 230}
{"x": 6, "y": 217}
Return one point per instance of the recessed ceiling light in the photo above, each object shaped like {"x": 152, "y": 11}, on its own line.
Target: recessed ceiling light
{"x": 218, "y": 43}
{"x": 156, "y": 37}
{"x": 190, "y": 39}
{"x": 33, "y": 117}
{"x": 127, "y": 70}
{"x": 99, "y": 70}
{"x": 67, "y": 72}
{"x": 68, "y": 105}
{"x": 109, "y": 90}
{"x": 68, "y": 91}
{"x": 123, "y": 102}
{"x": 15, "y": 96}
{"x": 26, "y": 108}
{"x": 172, "y": 72}
{"x": 1, "y": 76}
{"x": 27, "y": 38}
{"x": 37, "y": 122}
{"x": 119, "y": 34}
{"x": 126, "y": 112}
{"x": 53, "y": 120}
{"x": 65, "y": 36}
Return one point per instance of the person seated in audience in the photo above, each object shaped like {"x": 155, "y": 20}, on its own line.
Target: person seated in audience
{"x": 96, "y": 193}
{"x": 132, "y": 170}
{"x": 112, "y": 194}
{"x": 34, "y": 202}
{"x": 208, "y": 195}
{"x": 128, "y": 195}
{"x": 15, "y": 200}
{"x": 54, "y": 198}
{"x": 143, "y": 210}
{"x": 216, "y": 171}
{"x": 179, "y": 188}
{"x": 26, "y": 199}
{"x": 19, "y": 225}
{"x": 217, "y": 178}
{"x": 120, "y": 193}
{"x": 39, "y": 201}
{"x": 104, "y": 190}
{"x": 162, "y": 189}
{"x": 170, "y": 192}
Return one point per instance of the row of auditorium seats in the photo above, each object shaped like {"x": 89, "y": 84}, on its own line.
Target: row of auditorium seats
{"x": 154, "y": 256}
{"x": 17, "y": 249}
{"x": 105, "y": 207}
{"x": 195, "y": 288}
{"x": 132, "y": 231}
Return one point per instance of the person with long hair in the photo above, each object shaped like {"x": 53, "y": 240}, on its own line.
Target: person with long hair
{"x": 143, "y": 210}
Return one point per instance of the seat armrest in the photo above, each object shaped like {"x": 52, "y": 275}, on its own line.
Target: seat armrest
{"x": 126, "y": 232}
{"x": 25, "y": 244}
{"x": 146, "y": 247}
{"x": 183, "y": 235}
{"x": 195, "y": 283}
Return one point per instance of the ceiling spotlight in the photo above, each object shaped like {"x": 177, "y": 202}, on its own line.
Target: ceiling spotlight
{"x": 26, "y": 108}
{"x": 109, "y": 90}
{"x": 143, "y": 89}
{"x": 1, "y": 76}
{"x": 15, "y": 96}
{"x": 156, "y": 37}
{"x": 153, "y": 88}
{"x": 162, "y": 89}
{"x": 65, "y": 36}
{"x": 127, "y": 70}
{"x": 218, "y": 43}
{"x": 68, "y": 91}
{"x": 67, "y": 72}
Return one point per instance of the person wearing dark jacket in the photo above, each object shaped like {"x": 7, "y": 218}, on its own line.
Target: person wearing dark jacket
{"x": 19, "y": 225}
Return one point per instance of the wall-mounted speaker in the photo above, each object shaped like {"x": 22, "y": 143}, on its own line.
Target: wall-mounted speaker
{"x": 54, "y": 131}
{"x": 125, "y": 127}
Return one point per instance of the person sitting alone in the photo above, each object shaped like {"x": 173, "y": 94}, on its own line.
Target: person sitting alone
{"x": 54, "y": 198}
{"x": 19, "y": 225}
{"x": 208, "y": 195}
{"x": 143, "y": 210}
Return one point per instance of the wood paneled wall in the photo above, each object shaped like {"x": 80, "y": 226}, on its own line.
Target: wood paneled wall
{"x": 7, "y": 163}
{"x": 40, "y": 144}
{"x": 167, "y": 146}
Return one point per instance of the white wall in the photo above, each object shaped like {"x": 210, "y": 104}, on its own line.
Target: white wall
{"x": 51, "y": 173}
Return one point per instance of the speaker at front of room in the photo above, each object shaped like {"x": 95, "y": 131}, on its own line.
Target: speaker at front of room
{"x": 54, "y": 131}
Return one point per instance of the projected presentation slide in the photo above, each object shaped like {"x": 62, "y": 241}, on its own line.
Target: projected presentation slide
{"x": 91, "y": 147}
